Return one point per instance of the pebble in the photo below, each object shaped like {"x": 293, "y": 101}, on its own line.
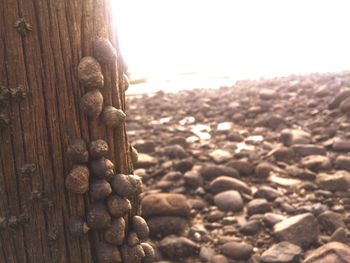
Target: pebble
{"x": 220, "y": 155}
{"x": 163, "y": 204}
{"x": 252, "y": 227}
{"x": 224, "y": 183}
{"x": 293, "y": 136}
{"x": 183, "y": 166}
{"x": 345, "y": 105}
{"x": 341, "y": 96}
{"x": 262, "y": 170}
{"x": 283, "y": 154}
{"x": 193, "y": 179}
{"x": 304, "y": 174}
{"x": 229, "y": 201}
{"x": 316, "y": 163}
{"x": 145, "y": 161}
{"x": 333, "y": 252}
{"x": 219, "y": 259}
{"x": 258, "y": 206}
{"x": 179, "y": 141}
{"x": 145, "y": 146}
{"x": 161, "y": 226}
{"x": 340, "y": 181}
{"x": 271, "y": 219}
{"x": 243, "y": 167}
{"x": 331, "y": 221}
{"x": 342, "y": 162}
{"x": 273, "y": 122}
{"x": 210, "y": 172}
{"x": 301, "y": 230}
{"x": 341, "y": 145}
{"x": 267, "y": 94}
{"x": 267, "y": 192}
{"x": 206, "y": 254}
{"x": 308, "y": 149}
{"x": 340, "y": 235}
{"x": 176, "y": 248}
{"x": 236, "y": 250}
{"x": 175, "y": 151}
{"x": 283, "y": 252}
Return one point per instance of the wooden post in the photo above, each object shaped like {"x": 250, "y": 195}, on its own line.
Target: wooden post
{"x": 41, "y": 45}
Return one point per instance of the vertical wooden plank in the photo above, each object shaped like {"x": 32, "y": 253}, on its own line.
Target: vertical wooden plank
{"x": 44, "y": 61}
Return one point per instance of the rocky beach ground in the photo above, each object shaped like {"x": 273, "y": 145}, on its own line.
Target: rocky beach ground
{"x": 257, "y": 172}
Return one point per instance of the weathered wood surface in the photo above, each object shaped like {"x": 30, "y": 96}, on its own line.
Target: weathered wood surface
{"x": 44, "y": 59}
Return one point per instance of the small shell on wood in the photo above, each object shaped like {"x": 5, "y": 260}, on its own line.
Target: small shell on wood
{"x": 107, "y": 253}
{"x": 90, "y": 74}
{"x": 98, "y": 216}
{"x": 140, "y": 227}
{"x": 104, "y": 50}
{"x": 113, "y": 117}
{"x": 132, "y": 239}
{"x": 77, "y": 226}
{"x": 115, "y": 234}
{"x": 126, "y": 185}
{"x": 132, "y": 254}
{"x": 149, "y": 253}
{"x": 99, "y": 189}
{"x": 98, "y": 149}
{"x": 118, "y": 206}
{"x": 77, "y": 151}
{"x": 77, "y": 180}
{"x": 92, "y": 103}
{"x": 102, "y": 168}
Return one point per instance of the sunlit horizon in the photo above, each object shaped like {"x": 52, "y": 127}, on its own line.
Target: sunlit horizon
{"x": 161, "y": 39}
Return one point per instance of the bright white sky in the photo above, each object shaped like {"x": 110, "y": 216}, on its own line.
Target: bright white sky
{"x": 247, "y": 38}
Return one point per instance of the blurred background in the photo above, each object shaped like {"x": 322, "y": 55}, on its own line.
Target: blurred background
{"x": 206, "y": 44}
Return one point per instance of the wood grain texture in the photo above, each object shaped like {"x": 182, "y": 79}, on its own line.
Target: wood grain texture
{"x": 44, "y": 61}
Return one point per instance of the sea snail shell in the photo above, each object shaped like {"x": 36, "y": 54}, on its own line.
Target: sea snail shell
{"x": 126, "y": 185}
{"x": 92, "y": 103}
{"x": 90, "y": 74}
{"x": 113, "y": 117}
{"x": 149, "y": 253}
{"x": 132, "y": 239}
{"x": 107, "y": 253}
{"x": 98, "y": 216}
{"x": 132, "y": 254}
{"x": 115, "y": 234}
{"x": 98, "y": 149}
{"x": 102, "y": 168}
{"x": 77, "y": 180}
{"x": 104, "y": 50}
{"x": 100, "y": 189}
{"x": 118, "y": 206}
{"x": 77, "y": 151}
{"x": 140, "y": 226}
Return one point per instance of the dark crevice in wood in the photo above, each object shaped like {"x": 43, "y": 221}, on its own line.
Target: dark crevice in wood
{"x": 15, "y": 176}
{"x": 4, "y": 188}
{"x": 46, "y": 114}
{"x": 27, "y": 236}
